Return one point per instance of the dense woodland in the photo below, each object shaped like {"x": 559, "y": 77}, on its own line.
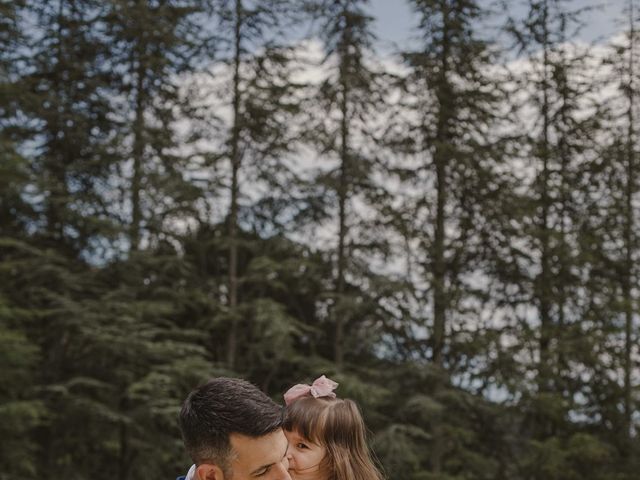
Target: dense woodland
{"x": 191, "y": 188}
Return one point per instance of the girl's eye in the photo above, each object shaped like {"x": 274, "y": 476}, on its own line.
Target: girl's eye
{"x": 301, "y": 445}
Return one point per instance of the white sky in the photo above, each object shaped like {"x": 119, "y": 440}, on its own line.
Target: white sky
{"x": 395, "y": 21}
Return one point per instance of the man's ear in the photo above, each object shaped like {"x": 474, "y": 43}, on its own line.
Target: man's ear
{"x": 209, "y": 471}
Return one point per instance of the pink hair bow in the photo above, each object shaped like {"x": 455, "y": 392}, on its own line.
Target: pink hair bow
{"x": 321, "y": 387}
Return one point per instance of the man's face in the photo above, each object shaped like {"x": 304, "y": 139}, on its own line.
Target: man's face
{"x": 261, "y": 458}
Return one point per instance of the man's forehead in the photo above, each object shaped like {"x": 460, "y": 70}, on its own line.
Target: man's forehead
{"x": 251, "y": 453}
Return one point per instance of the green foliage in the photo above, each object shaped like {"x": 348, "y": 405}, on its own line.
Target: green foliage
{"x": 397, "y": 447}
{"x": 340, "y": 111}
{"x": 20, "y": 412}
{"x": 482, "y": 315}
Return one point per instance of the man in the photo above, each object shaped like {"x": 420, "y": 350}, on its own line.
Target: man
{"x": 233, "y": 431}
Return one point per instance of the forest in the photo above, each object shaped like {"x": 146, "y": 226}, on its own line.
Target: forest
{"x": 253, "y": 188}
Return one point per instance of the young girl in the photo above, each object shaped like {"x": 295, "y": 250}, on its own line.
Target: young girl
{"x": 327, "y": 435}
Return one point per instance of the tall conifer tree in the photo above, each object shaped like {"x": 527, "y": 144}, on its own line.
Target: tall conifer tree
{"x": 20, "y": 412}
{"x": 64, "y": 111}
{"x": 560, "y": 268}
{"x": 153, "y": 46}
{"x": 618, "y": 243}
{"x": 256, "y": 141}
{"x": 627, "y": 68}
{"x": 59, "y": 125}
{"x": 348, "y": 101}
{"x": 67, "y": 122}
{"x": 456, "y": 206}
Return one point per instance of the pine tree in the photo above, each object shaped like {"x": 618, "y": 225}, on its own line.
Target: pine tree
{"x": 20, "y": 412}
{"x": 617, "y": 244}
{"x": 344, "y": 108}
{"x": 457, "y": 211}
{"x": 254, "y": 145}
{"x": 56, "y": 123}
{"x": 282, "y": 285}
{"x": 557, "y": 220}
{"x": 14, "y": 173}
{"x": 82, "y": 317}
{"x": 627, "y": 70}
{"x": 63, "y": 110}
{"x": 144, "y": 315}
{"x": 153, "y": 46}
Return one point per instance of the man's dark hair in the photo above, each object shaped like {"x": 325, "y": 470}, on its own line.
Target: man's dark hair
{"x": 220, "y": 407}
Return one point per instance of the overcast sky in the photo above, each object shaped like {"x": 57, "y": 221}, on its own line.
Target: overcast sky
{"x": 395, "y": 20}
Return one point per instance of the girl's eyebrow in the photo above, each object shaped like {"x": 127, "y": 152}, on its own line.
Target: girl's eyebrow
{"x": 306, "y": 440}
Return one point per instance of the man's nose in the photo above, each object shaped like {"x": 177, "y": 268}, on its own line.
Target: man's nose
{"x": 282, "y": 472}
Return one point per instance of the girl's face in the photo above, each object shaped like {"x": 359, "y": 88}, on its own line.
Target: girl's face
{"x": 304, "y": 458}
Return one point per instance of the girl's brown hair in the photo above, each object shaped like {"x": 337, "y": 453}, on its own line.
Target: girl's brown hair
{"x": 337, "y": 425}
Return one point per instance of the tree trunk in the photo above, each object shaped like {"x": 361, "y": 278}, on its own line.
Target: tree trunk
{"x": 545, "y": 278}
{"x": 232, "y": 339}
{"x": 563, "y": 255}
{"x": 138, "y": 151}
{"x": 124, "y": 452}
{"x": 342, "y": 227}
{"x": 629, "y": 237}
{"x": 56, "y": 175}
{"x": 441, "y": 156}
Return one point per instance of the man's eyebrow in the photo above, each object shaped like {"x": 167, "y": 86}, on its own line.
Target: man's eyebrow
{"x": 270, "y": 464}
